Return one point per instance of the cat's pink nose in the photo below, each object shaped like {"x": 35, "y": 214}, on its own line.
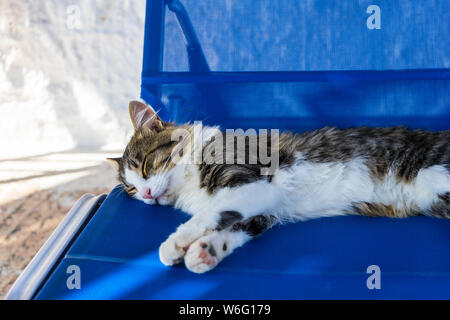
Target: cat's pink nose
{"x": 147, "y": 194}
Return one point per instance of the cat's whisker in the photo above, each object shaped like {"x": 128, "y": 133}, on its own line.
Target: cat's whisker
{"x": 122, "y": 189}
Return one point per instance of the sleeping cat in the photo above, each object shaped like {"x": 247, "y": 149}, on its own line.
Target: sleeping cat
{"x": 388, "y": 172}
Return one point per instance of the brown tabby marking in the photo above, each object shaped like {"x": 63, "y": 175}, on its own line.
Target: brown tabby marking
{"x": 244, "y": 167}
{"x": 397, "y": 148}
{"x": 403, "y": 151}
{"x": 381, "y": 210}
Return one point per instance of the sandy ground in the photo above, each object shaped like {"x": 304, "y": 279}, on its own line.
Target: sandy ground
{"x": 35, "y": 194}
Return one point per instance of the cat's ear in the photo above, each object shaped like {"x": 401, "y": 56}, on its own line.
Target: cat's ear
{"x": 115, "y": 162}
{"x": 143, "y": 116}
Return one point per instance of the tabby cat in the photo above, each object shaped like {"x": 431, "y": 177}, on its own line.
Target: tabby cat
{"x": 389, "y": 172}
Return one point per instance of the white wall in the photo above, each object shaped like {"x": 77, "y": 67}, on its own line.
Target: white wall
{"x": 67, "y": 71}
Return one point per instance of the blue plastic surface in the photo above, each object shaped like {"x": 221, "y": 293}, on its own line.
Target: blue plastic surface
{"x": 329, "y": 69}
{"x": 308, "y": 105}
{"x": 300, "y": 65}
{"x": 293, "y": 35}
{"x": 325, "y": 258}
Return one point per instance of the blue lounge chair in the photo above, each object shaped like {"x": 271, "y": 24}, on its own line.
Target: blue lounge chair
{"x": 291, "y": 65}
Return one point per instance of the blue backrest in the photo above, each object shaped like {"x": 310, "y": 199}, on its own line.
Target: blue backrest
{"x": 299, "y": 65}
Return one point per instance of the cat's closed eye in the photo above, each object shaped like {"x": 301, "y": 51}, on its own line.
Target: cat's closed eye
{"x": 133, "y": 163}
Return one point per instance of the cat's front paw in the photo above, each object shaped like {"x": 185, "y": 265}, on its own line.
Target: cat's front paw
{"x": 170, "y": 253}
{"x": 201, "y": 256}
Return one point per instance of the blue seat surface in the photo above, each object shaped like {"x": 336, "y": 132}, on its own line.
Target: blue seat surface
{"x": 290, "y": 65}
{"x": 327, "y": 258}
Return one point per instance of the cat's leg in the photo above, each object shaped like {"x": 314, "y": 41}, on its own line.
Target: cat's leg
{"x": 174, "y": 248}
{"x": 205, "y": 253}
{"x": 227, "y": 207}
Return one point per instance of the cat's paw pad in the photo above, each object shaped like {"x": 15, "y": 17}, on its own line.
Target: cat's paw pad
{"x": 201, "y": 257}
{"x": 170, "y": 253}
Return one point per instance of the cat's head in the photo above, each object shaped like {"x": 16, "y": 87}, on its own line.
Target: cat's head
{"x": 145, "y": 166}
